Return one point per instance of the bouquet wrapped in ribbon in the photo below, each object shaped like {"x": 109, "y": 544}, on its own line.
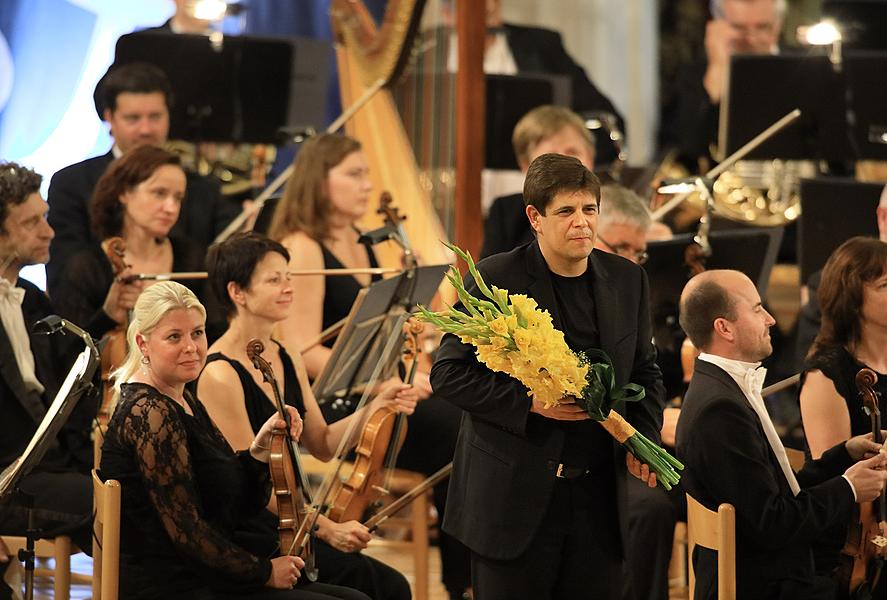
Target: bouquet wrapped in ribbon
{"x": 512, "y": 335}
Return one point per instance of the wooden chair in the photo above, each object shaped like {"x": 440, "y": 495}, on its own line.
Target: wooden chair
{"x": 416, "y": 521}
{"x": 716, "y": 531}
{"x": 106, "y": 544}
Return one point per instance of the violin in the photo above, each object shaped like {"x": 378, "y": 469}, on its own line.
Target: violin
{"x": 288, "y": 482}
{"x": 376, "y": 452}
{"x": 862, "y": 559}
{"x": 114, "y": 345}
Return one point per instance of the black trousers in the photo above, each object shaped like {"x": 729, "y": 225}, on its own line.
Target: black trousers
{"x": 348, "y": 569}
{"x": 652, "y": 514}
{"x": 62, "y": 506}
{"x": 575, "y": 553}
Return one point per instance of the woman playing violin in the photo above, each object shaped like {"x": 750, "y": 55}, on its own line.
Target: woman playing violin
{"x": 138, "y": 199}
{"x": 316, "y": 220}
{"x": 853, "y": 335}
{"x": 184, "y": 490}
{"x": 248, "y": 273}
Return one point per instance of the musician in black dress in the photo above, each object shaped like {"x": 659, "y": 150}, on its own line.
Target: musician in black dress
{"x": 139, "y": 199}
{"x": 248, "y": 273}
{"x": 853, "y": 335}
{"x": 316, "y": 220}
{"x": 185, "y": 491}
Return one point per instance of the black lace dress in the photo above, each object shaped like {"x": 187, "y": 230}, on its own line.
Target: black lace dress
{"x": 355, "y": 570}
{"x": 841, "y": 367}
{"x": 184, "y": 491}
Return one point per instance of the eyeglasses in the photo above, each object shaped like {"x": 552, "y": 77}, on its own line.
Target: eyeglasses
{"x": 626, "y": 251}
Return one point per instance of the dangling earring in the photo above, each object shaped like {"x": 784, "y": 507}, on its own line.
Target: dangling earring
{"x": 146, "y": 360}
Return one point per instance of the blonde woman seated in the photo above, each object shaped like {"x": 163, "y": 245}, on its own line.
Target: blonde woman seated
{"x": 249, "y": 276}
{"x": 185, "y": 492}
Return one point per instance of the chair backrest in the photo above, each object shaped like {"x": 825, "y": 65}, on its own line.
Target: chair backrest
{"x": 106, "y": 533}
{"x": 716, "y": 531}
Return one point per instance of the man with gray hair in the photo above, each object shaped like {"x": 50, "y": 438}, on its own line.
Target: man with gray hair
{"x": 623, "y": 224}
{"x": 737, "y": 27}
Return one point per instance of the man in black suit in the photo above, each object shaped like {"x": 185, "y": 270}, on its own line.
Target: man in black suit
{"x": 31, "y": 371}
{"x": 733, "y": 454}
{"x": 134, "y": 99}
{"x": 536, "y": 493}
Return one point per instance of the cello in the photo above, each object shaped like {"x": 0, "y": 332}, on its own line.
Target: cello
{"x": 862, "y": 557}
{"x": 289, "y": 485}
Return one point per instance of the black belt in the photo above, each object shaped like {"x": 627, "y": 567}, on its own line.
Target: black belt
{"x": 563, "y": 471}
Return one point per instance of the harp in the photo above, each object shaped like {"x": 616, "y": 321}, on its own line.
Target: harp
{"x": 433, "y": 174}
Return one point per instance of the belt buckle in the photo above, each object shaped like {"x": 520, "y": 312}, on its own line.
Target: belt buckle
{"x": 560, "y": 471}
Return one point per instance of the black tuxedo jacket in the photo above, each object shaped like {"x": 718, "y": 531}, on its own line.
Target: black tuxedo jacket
{"x": 538, "y": 50}
{"x": 501, "y": 482}
{"x": 204, "y": 214}
{"x": 721, "y": 442}
{"x": 22, "y": 411}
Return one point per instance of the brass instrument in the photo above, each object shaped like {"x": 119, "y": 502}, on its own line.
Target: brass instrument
{"x": 762, "y": 193}
{"x": 239, "y": 168}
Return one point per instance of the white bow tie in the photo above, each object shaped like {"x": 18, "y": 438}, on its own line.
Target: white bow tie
{"x": 8, "y": 290}
{"x": 754, "y": 379}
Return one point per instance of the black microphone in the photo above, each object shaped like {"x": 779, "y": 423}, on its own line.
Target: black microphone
{"x": 379, "y": 235}
{"x": 48, "y": 325}
{"x": 54, "y": 324}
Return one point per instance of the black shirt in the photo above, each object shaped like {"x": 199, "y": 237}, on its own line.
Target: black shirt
{"x": 586, "y": 444}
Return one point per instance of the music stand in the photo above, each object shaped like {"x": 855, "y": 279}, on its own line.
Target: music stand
{"x": 372, "y": 331}
{"x": 751, "y": 251}
{"x": 77, "y": 383}
{"x": 820, "y": 232}
{"x": 810, "y": 83}
{"x": 509, "y": 98}
{"x": 242, "y": 89}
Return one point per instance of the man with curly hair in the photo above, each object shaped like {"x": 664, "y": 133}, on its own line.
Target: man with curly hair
{"x": 31, "y": 372}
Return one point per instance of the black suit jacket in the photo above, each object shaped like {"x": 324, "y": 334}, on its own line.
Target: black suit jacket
{"x": 506, "y": 226}
{"x": 501, "y": 482}
{"x": 538, "y": 50}
{"x": 22, "y": 411}
{"x": 721, "y": 442}
{"x": 204, "y": 214}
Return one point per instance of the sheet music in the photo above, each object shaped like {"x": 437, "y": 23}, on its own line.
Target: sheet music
{"x": 78, "y": 370}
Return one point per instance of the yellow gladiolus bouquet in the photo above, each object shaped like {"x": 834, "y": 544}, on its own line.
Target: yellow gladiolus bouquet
{"x": 512, "y": 335}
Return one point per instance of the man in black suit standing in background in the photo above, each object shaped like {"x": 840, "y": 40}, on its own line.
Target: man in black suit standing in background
{"x": 134, "y": 99}
{"x": 536, "y": 493}
{"x": 732, "y": 452}
{"x": 31, "y": 371}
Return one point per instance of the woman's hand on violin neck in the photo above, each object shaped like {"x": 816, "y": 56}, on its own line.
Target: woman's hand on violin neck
{"x": 350, "y": 536}
{"x": 285, "y": 572}
{"x": 862, "y": 446}
{"x": 121, "y": 298}
{"x": 261, "y": 446}
{"x": 397, "y": 396}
